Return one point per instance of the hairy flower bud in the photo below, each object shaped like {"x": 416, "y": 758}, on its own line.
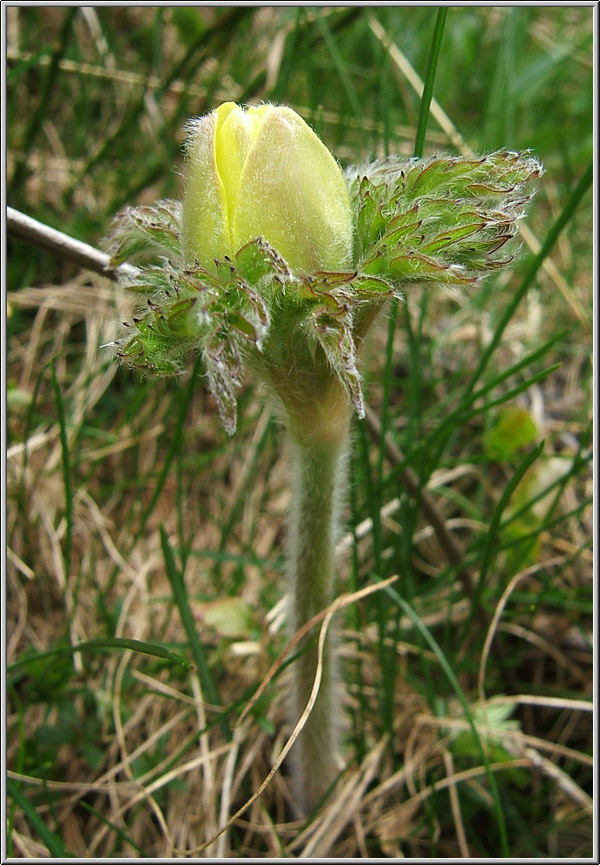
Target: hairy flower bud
{"x": 264, "y": 172}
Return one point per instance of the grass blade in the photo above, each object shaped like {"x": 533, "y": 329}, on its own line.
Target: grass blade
{"x": 53, "y": 842}
{"x": 66, "y": 465}
{"x": 339, "y": 65}
{"x": 434, "y": 53}
{"x": 180, "y": 596}
{"x": 100, "y": 645}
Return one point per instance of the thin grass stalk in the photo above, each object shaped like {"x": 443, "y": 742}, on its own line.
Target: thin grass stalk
{"x": 434, "y": 54}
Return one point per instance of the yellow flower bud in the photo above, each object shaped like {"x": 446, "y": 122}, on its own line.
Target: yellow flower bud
{"x": 264, "y": 172}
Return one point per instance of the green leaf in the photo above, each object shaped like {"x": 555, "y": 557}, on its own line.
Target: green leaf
{"x": 258, "y": 259}
{"x": 442, "y": 219}
{"x": 514, "y": 428}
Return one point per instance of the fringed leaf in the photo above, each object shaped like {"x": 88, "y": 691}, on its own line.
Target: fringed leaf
{"x": 224, "y": 369}
{"x": 334, "y": 334}
{"x": 439, "y": 220}
{"x": 137, "y": 231}
{"x": 257, "y": 260}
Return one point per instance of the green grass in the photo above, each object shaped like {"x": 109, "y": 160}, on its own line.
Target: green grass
{"x": 136, "y": 527}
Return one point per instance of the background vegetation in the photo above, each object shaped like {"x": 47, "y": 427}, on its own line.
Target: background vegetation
{"x": 468, "y": 722}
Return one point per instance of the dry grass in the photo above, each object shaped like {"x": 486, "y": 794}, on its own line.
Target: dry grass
{"x": 178, "y": 806}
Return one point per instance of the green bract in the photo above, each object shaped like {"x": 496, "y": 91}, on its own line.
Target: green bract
{"x": 277, "y": 260}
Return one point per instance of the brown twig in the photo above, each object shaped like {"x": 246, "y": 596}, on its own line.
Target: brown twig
{"x": 37, "y": 233}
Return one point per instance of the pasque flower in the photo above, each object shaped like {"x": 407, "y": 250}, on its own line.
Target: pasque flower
{"x": 278, "y": 261}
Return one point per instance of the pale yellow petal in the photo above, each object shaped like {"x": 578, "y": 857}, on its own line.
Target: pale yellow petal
{"x": 293, "y": 193}
{"x": 206, "y": 233}
{"x": 236, "y": 132}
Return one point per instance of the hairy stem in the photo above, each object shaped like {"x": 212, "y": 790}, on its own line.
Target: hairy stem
{"x": 318, "y": 479}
